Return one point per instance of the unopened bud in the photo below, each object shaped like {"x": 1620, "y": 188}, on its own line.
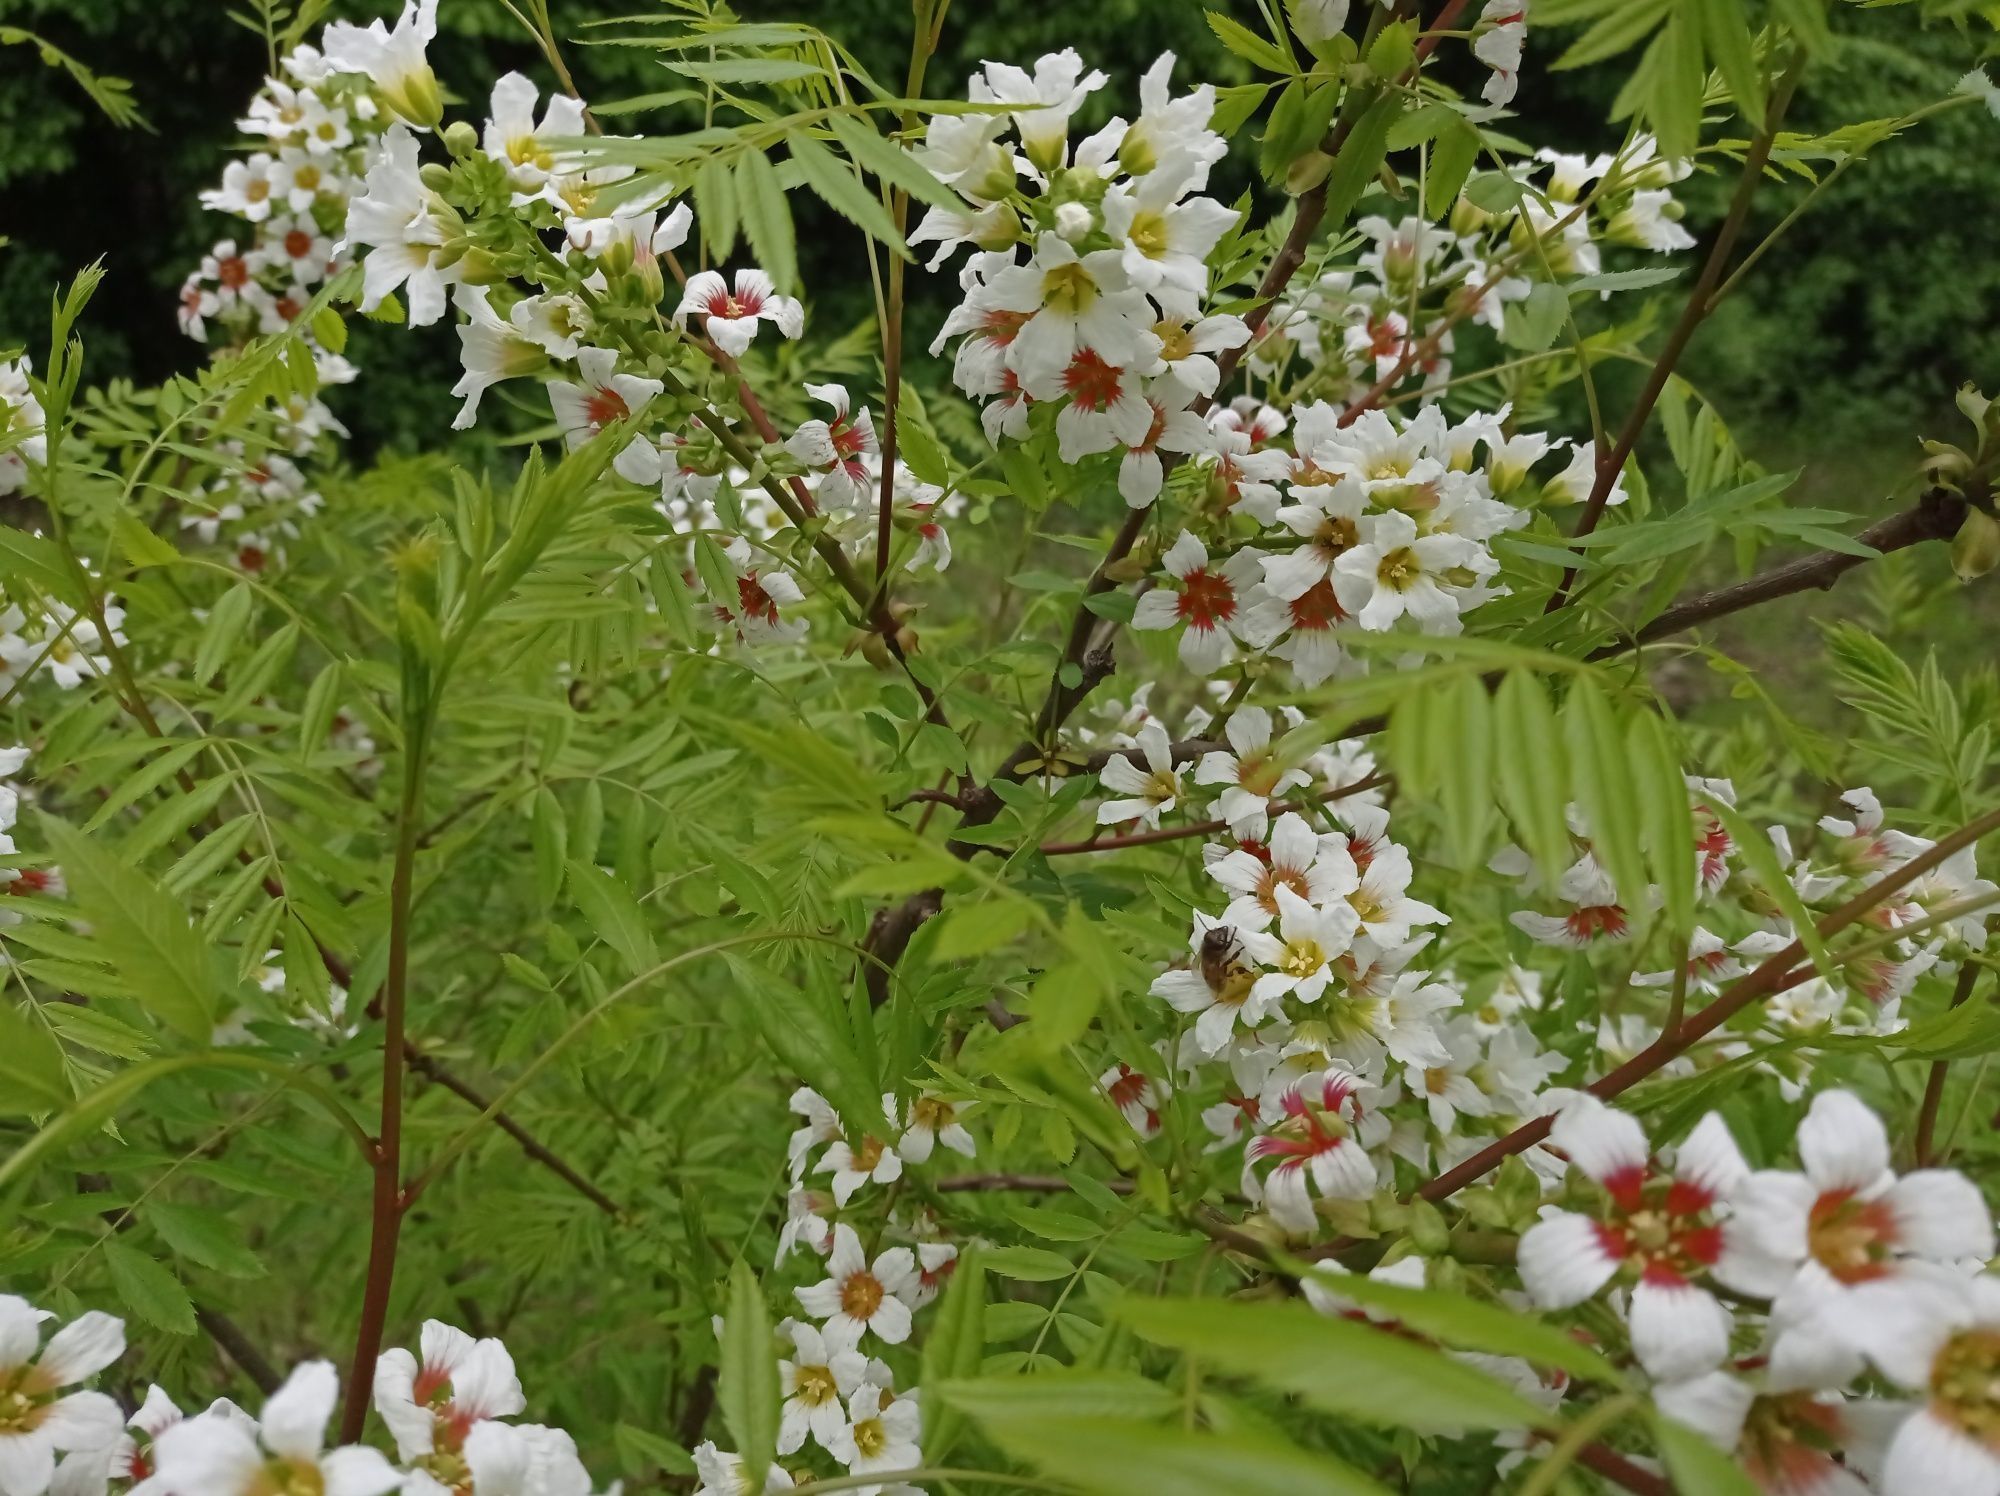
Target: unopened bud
{"x": 618, "y": 255}
{"x": 646, "y": 270}
{"x": 906, "y": 640}
{"x": 435, "y": 175}
{"x": 1467, "y": 217}
{"x": 1975, "y": 549}
{"x": 460, "y": 139}
{"x": 1073, "y": 222}
{"x": 1307, "y": 172}
{"x": 479, "y": 268}
{"x": 876, "y": 652}
{"x": 414, "y": 96}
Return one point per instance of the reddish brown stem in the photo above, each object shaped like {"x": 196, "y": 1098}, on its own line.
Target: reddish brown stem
{"x": 1769, "y": 977}
{"x": 1927, "y": 1114}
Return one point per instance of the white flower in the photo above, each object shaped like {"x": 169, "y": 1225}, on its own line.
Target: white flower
{"x": 392, "y": 60}
{"x": 1951, "y": 1356}
{"x": 1787, "y": 1438}
{"x": 1397, "y": 572}
{"x": 1327, "y": 517}
{"x": 554, "y": 323}
{"x": 1650, "y": 220}
{"x": 879, "y": 1434}
{"x": 1319, "y": 1146}
{"x": 490, "y": 350}
{"x": 1188, "y": 351}
{"x": 1216, "y": 988}
{"x": 431, "y": 1404}
{"x": 1596, "y": 915}
{"x": 604, "y": 397}
{"x": 721, "y": 1474}
{"x": 1071, "y": 303}
{"x": 1172, "y": 428}
{"x": 1048, "y": 98}
{"x": 1381, "y": 902}
{"x": 1167, "y": 241}
{"x": 38, "y": 1419}
{"x": 1135, "y": 1096}
{"x": 21, "y": 418}
{"x": 874, "y": 1159}
{"x": 1310, "y": 939}
{"x": 247, "y": 189}
{"x": 1149, "y": 794}
{"x": 219, "y": 1457}
{"x": 1657, "y": 1227}
{"x": 823, "y": 1369}
{"x": 1207, "y": 602}
{"x": 393, "y": 216}
{"x": 858, "y": 1295}
{"x": 1316, "y": 868}
{"x": 1501, "y": 31}
{"x": 730, "y": 317}
{"x": 1317, "y": 21}
{"x": 1250, "y": 773}
{"x": 838, "y": 449}
{"x": 762, "y": 592}
{"x": 512, "y": 136}
{"x": 933, "y": 1120}
{"x": 1844, "y": 1248}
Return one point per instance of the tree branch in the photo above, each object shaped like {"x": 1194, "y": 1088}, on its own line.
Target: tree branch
{"x": 1927, "y": 1114}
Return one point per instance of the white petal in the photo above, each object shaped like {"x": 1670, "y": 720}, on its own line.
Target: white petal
{"x": 1931, "y": 1458}
{"x": 359, "y": 1471}
{"x": 294, "y": 1420}
{"x": 1562, "y": 1260}
{"x": 1599, "y": 1140}
{"x": 1939, "y": 1213}
{"x": 82, "y": 1348}
{"x": 1678, "y": 1330}
{"x": 1713, "y": 1406}
{"x": 1842, "y": 1143}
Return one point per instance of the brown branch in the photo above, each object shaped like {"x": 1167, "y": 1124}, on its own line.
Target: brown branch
{"x": 239, "y": 1348}
{"x": 1936, "y": 516}
{"x": 1927, "y": 1114}
{"x": 429, "y": 1068}
{"x": 1614, "y": 1466}
{"x": 1769, "y": 977}
{"x": 1610, "y": 464}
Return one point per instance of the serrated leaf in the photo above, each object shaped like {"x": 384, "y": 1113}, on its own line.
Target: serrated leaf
{"x": 611, "y": 911}
{"x": 203, "y": 1237}
{"x": 954, "y": 1345}
{"x": 1666, "y": 816}
{"x": 148, "y": 1289}
{"x": 1475, "y": 1325}
{"x": 1602, "y": 779}
{"x": 142, "y": 933}
{"x": 715, "y": 207}
{"x": 890, "y": 163}
{"x": 1533, "y": 771}
{"x": 1246, "y": 44}
{"x": 841, "y": 190}
{"x": 1131, "y": 1457}
{"x": 31, "y": 1065}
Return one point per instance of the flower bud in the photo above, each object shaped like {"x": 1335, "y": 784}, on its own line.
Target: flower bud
{"x": 435, "y": 175}
{"x": 415, "y": 97}
{"x": 461, "y": 139}
{"x": 1467, "y": 217}
{"x": 646, "y": 271}
{"x": 1073, "y": 222}
{"x": 618, "y": 255}
{"x": 478, "y": 267}
{"x": 1975, "y": 549}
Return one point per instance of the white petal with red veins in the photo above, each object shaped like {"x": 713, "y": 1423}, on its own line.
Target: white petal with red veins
{"x": 1599, "y": 1140}
{"x": 1710, "y": 1160}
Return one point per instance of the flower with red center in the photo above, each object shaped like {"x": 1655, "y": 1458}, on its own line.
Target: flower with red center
{"x": 1318, "y": 1147}
{"x": 1846, "y": 1250}
{"x": 762, "y": 593}
{"x": 603, "y": 397}
{"x": 858, "y": 1296}
{"x": 1950, "y": 1356}
{"x": 1206, "y": 602}
{"x": 1657, "y": 1231}
{"x": 1314, "y": 867}
{"x": 936, "y": 1262}
{"x": 1172, "y": 428}
{"x": 1250, "y": 772}
{"x": 730, "y": 314}
{"x": 1595, "y": 913}
{"x": 1135, "y": 1096}
{"x": 1789, "y": 1440}
{"x": 1103, "y": 408}
{"x": 836, "y": 449}
{"x": 432, "y": 1401}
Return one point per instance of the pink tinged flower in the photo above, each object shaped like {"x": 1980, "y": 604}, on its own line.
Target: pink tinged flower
{"x": 38, "y": 1418}
{"x": 1788, "y": 1440}
{"x": 1660, "y": 1230}
{"x": 1206, "y": 602}
{"x": 1596, "y": 916}
{"x": 1501, "y": 31}
{"x": 1846, "y": 1249}
{"x": 1316, "y": 1148}
{"x": 1135, "y": 1096}
{"x": 432, "y": 1401}
{"x": 1147, "y": 794}
{"x": 838, "y": 448}
{"x": 220, "y": 1457}
{"x": 1312, "y": 867}
{"x": 730, "y": 315}
{"x": 602, "y": 396}
{"x": 859, "y": 1296}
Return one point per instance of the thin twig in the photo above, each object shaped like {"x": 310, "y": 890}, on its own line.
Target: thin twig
{"x": 1927, "y": 1114}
